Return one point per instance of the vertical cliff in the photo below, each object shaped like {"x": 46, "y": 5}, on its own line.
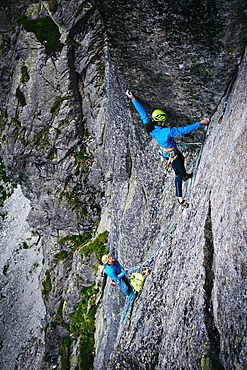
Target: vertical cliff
{"x": 81, "y": 176}
{"x": 192, "y": 308}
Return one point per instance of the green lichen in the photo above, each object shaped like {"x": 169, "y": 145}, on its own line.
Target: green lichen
{"x": 73, "y": 200}
{"x": 100, "y": 47}
{"x": 46, "y": 31}
{"x": 15, "y": 121}
{"x": 57, "y": 104}
{"x": 42, "y": 138}
{"x": 83, "y": 212}
{"x": 205, "y": 363}
{"x": 59, "y": 315}
{"x": 20, "y": 96}
{"x": 100, "y": 68}
{"x": 74, "y": 361}
{"x": 3, "y": 116}
{"x": 63, "y": 122}
{"x": 205, "y": 359}
{"x": 24, "y": 74}
{"x": 59, "y": 320}
{"x": 99, "y": 83}
{"x": 81, "y": 156}
{"x": 47, "y": 284}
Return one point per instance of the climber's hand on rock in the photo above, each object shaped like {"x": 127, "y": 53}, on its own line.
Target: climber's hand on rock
{"x": 204, "y": 121}
{"x": 130, "y": 95}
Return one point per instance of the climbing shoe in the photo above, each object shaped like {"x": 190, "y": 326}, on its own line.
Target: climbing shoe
{"x": 183, "y": 203}
{"x": 188, "y": 176}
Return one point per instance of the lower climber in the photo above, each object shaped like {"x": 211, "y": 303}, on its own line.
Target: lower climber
{"x": 117, "y": 273}
{"x": 156, "y": 127}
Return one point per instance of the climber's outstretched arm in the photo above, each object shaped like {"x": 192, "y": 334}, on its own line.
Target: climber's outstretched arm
{"x": 140, "y": 109}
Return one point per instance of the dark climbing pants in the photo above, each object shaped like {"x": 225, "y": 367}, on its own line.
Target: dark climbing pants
{"x": 125, "y": 285}
{"x": 178, "y": 167}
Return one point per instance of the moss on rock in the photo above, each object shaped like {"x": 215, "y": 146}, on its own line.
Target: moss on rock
{"x": 97, "y": 246}
{"x": 47, "y": 284}
{"x": 46, "y": 31}
{"x": 6, "y": 184}
{"x": 82, "y": 325}
{"x": 57, "y": 104}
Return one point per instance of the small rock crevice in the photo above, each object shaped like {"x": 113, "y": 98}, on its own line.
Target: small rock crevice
{"x": 213, "y": 347}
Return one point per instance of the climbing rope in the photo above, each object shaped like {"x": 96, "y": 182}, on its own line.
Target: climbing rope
{"x": 154, "y": 256}
{"x": 130, "y": 299}
{"x": 149, "y": 263}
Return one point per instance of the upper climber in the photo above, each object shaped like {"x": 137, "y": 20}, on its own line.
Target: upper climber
{"x": 164, "y": 135}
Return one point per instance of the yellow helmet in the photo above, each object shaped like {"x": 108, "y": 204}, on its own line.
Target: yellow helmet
{"x": 105, "y": 258}
{"x": 159, "y": 115}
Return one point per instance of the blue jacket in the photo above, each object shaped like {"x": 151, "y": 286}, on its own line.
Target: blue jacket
{"x": 115, "y": 271}
{"x": 164, "y": 135}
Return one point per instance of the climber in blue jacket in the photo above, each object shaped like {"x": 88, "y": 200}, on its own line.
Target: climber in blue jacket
{"x": 164, "y": 135}
{"x": 117, "y": 273}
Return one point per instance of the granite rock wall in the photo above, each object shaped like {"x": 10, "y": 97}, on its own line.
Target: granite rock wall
{"x": 84, "y": 166}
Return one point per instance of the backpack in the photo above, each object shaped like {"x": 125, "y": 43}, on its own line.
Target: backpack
{"x": 137, "y": 281}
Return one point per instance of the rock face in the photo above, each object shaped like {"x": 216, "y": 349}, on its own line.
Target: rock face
{"x": 190, "y": 313}
{"x": 84, "y": 167}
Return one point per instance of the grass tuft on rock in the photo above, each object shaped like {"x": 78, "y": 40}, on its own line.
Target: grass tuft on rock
{"x": 98, "y": 246}
{"x": 83, "y": 327}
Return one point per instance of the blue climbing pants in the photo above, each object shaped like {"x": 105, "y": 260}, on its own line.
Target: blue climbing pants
{"x": 125, "y": 285}
{"x": 178, "y": 167}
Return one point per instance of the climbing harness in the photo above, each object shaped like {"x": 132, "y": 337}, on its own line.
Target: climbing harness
{"x": 171, "y": 155}
{"x": 145, "y": 267}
